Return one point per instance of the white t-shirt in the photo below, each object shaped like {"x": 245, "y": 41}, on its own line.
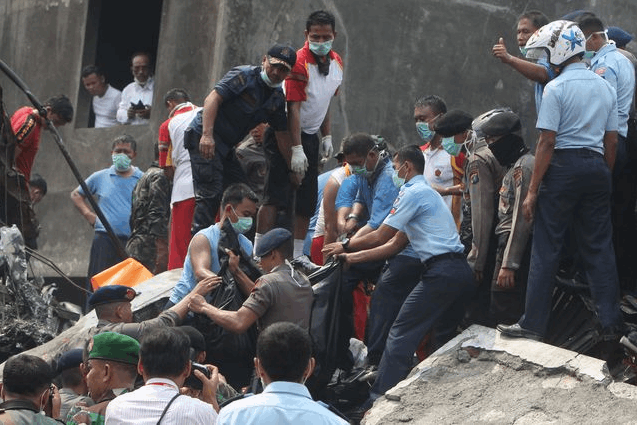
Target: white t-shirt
{"x": 338, "y": 175}
{"x": 438, "y": 171}
{"x": 182, "y": 180}
{"x": 133, "y": 93}
{"x": 105, "y": 108}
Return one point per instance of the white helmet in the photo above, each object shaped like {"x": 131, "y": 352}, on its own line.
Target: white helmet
{"x": 561, "y": 40}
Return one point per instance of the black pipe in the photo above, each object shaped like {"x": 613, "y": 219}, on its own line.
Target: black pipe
{"x": 58, "y": 139}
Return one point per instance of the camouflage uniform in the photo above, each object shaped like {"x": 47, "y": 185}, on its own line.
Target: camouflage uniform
{"x": 514, "y": 246}
{"x": 149, "y": 219}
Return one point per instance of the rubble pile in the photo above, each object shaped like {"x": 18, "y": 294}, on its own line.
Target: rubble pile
{"x": 480, "y": 377}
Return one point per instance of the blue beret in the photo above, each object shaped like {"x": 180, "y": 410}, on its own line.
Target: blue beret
{"x": 69, "y": 360}
{"x": 619, "y": 36}
{"x": 111, "y": 294}
{"x": 271, "y": 240}
{"x": 572, "y": 16}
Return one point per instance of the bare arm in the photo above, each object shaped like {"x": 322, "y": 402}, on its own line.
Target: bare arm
{"x": 234, "y": 321}
{"x": 530, "y": 70}
{"x": 329, "y": 210}
{"x": 392, "y": 247}
{"x": 243, "y": 281}
{"x": 610, "y": 148}
{"x": 543, "y": 155}
{"x": 80, "y": 203}
{"x": 294, "y": 122}
{"x": 369, "y": 240}
{"x": 208, "y": 117}
{"x": 200, "y": 257}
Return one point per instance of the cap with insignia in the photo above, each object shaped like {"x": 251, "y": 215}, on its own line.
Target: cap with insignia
{"x": 115, "y": 347}
{"x": 111, "y": 294}
{"x": 271, "y": 240}
{"x": 280, "y": 54}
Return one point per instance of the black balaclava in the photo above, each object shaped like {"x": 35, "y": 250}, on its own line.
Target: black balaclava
{"x": 508, "y": 149}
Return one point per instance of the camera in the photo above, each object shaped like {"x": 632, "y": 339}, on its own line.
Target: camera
{"x": 192, "y": 381}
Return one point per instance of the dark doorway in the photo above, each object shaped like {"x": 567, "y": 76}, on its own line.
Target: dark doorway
{"x": 115, "y": 29}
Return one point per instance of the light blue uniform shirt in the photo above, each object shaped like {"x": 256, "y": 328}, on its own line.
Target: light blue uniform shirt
{"x": 280, "y": 403}
{"x": 113, "y": 194}
{"x": 377, "y": 197}
{"x": 579, "y": 106}
{"x": 422, "y": 214}
{"x": 539, "y": 87}
{"x": 617, "y": 69}
{"x": 188, "y": 281}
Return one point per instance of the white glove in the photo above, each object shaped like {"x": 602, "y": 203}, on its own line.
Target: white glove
{"x": 299, "y": 160}
{"x": 326, "y": 146}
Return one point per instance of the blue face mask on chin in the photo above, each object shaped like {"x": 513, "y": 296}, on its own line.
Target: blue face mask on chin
{"x": 267, "y": 81}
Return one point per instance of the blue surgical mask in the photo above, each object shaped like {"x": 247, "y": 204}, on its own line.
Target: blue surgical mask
{"x": 321, "y": 49}
{"x": 398, "y": 181}
{"x": 449, "y": 144}
{"x": 266, "y": 80}
{"x": 588, "y": 54}
{"x": 523, "y": 50}
{"x": 243, "y": 224}
{"x": 121, "y": 161}
{"x": 425, "y": 133}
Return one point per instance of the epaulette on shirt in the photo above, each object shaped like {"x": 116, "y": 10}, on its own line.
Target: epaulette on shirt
{"x": 26, "y": 128}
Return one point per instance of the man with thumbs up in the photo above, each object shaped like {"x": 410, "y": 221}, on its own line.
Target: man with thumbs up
{"x": 539, "y": 72}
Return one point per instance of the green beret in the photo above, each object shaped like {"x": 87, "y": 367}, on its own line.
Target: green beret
{"x": 114, "y": 346}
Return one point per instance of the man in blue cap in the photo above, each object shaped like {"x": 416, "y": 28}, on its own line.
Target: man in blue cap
{"x": 74, "y": 389}
{"x": 282, "y": 295}
{"x": 114, "y": 311}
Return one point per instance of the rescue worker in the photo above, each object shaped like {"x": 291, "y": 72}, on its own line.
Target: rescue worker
{"x": 574, "y": 160}
{"x": 281, "y": 295}
{"x": 508, "y": 286}
{"x": 419, "y": 217}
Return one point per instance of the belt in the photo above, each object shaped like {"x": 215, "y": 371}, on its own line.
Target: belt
{"x": 578, "y": 152}
{"x": 446, "y": 256}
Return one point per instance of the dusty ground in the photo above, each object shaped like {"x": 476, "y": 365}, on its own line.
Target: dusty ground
{"x": 501, "y": 388}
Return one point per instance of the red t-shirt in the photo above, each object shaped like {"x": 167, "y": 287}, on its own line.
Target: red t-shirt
{"x": 27, "y": 127}
{"x": 164, "y": 142}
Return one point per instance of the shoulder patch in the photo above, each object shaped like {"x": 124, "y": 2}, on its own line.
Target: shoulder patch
{"x": 600, "y": 71}
{"x": 26, "y": 128}
{"x": 517, "y": 176}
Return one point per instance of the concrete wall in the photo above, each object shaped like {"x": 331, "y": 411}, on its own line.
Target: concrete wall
{"x": 394, "y": 52}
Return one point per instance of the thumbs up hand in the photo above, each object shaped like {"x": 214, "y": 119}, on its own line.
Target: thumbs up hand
{"x": 500, "y": 51}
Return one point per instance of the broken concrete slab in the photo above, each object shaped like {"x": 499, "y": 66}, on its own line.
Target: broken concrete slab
{"x": 480, "y": 377}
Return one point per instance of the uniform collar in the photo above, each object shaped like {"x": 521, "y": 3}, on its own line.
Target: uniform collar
{"x": 415, "y": 179}
{"x": 574, "y": 66}
{"x": 162, "y": 382}
{"x": 289, "y": 388}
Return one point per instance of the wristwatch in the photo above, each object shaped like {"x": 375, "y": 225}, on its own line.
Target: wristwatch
{"x": 345, "y": 244}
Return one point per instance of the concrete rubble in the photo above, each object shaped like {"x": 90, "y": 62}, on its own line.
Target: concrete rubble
{"x": 480, "y": 377}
